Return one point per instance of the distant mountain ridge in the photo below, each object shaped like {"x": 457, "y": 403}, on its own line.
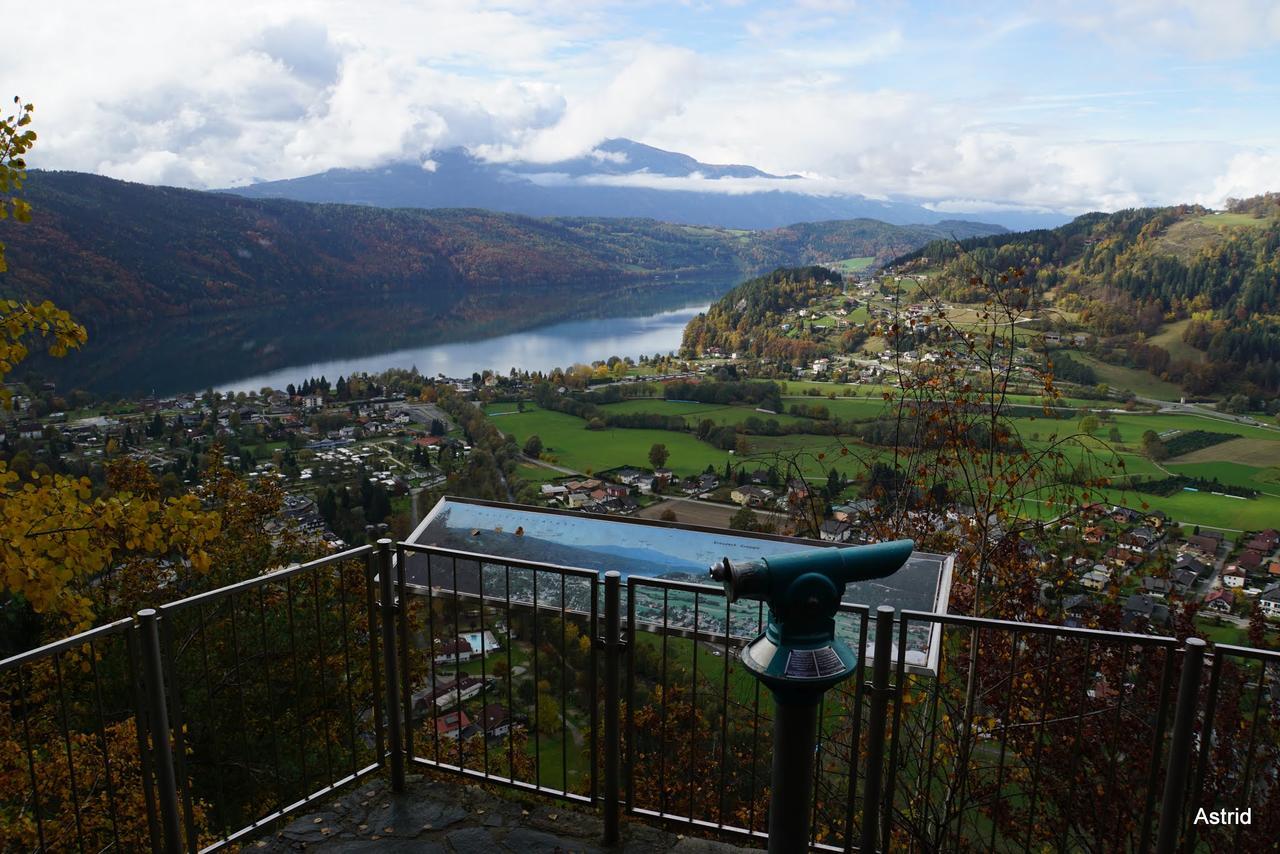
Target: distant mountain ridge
{"x": 116, "y": 253}
{"x": 609, "y": 182}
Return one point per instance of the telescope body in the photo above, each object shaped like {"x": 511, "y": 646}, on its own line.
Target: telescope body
{"x": 798, "y": 656}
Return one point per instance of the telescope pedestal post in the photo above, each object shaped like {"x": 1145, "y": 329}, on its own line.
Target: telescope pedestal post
{"x": 795, "y": 738}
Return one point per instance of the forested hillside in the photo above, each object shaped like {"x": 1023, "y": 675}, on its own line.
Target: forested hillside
{"x": 114, "y": 252}
{"x": 1126, "y": 275}
{"x": 749, "y": 318}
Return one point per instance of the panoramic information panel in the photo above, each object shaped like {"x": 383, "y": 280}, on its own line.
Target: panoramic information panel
{"x": 643, "y": 548}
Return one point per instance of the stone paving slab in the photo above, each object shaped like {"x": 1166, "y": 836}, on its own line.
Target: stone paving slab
{"x": 452, "y": 817}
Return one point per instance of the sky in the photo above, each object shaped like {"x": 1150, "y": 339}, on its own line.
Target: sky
{"x": 967, "y": 106}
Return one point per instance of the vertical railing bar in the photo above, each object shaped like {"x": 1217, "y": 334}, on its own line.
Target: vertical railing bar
{"x": 537, "y": 742}
{"x": 1115, "y": 748}
{"x": 158, "y": 720}
{"x": 457, "y": 661}
{"x": 31, "y": 755}
{"x": 922, "y": 783}
{"x": 395, "y": 726}
{"x": 405, "y": 651}
{"x": 564, "y": 690}
{"x": 511, "y": 709}
{"x": 966, "y": 734}
{"x": 346, "y": 664}
{"x": 375, "y": 680}
{"x": 724, "y": 710}
{"x": 1175, "y": 781}
{"x": 755, "y": 729}
{"x": 612, "y": 606}
{"x": 322, "y": 664}
{"x": 1206, "y": 740}
{"x": 299, "y": 719}
{"x": 102, "y": 744}
{"x": 216, "y": 752}
{"x": 693, "y": 717}
{"x": 817, "y": 769}
{"x": 1087, "y": 675}
{"x": 1157, "y": 740}
{"x": 177, "y": 719}
{"x": 435, "y": 682}
{"x": 281, "y": 802}
{"x": 1253, "y": 742}
{"x": 873, "y": 794}
{"x": 240, "y": 699}
{"x": 631, "y": 693}
{"x": 594, "y": 589}
{"x": 891, "y": 774}
{"x": 662, "y": 738}
{"x": 66, "y": 739}
{"x": 141, "y": 727}
{"x": 484, "y": 679}
{"x": 1047, "y": 674}
{"x": 855, "y": 734}
{"x": 1004, "y": 732}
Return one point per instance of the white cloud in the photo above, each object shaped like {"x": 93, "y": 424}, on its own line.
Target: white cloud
{"x": 882, "y": 99}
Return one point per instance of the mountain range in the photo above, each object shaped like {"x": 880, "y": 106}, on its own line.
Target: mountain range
{"x": 116, "y": 253}
{"x": 619, "y": 178}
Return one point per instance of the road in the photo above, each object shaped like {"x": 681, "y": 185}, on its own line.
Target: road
{"x": 1180, "y": 408}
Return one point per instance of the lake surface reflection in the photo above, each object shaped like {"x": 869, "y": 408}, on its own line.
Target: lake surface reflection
{"x": 247, "y": 350}
{"x": 541, "y": 349}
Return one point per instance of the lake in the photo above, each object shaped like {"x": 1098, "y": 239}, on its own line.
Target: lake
{"x": 248, "y": 350}
{"x": 541, "y": 349}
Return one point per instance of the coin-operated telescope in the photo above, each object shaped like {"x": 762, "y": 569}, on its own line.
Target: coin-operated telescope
{"x": 798, "y": 657}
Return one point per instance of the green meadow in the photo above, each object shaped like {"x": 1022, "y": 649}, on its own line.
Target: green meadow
{"x": 569, "y": 443}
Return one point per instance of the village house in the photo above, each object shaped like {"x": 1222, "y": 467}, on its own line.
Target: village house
{"x": 1140, "y": 608}
{"x": 835, "y": 531}
{"x": 1220, "y": 601}
{"x": 496, "y": 720}
{"x": 454, "y": 650}
{"x": 1204, "y": 544}
{"x": 1233, "y": 576}
{"x": 750, "y": 496}
{"x": 1269, "y": 600}
{"x": 453, "y": 725}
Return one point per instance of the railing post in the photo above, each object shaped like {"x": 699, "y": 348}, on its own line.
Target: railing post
{"x": 879, "y": 690}
{"x": 612, "y": 744}
{"x": 158, "y": 725}
{"x": 395, "y": 734}
{"x": 1175, "y": 781}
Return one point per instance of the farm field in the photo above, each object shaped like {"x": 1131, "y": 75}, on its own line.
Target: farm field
{"x": 695, "y": 412}
{"x": 1170, "y": 338}
{"x": 1252, "y": 460}
{"x": 1139, "y": 382}
{"x": 1237, "y": 474}
{"x": 1251, "y": 451}
{"x": 854, "y": 265}
{"x": 567, "y": 441}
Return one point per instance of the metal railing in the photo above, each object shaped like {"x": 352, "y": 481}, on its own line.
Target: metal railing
{"x": 194, "y": 726}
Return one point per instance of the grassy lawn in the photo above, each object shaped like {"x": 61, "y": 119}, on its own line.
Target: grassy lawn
{"x": 530, "y": 473}
{"x": 1170, "y": 338}
{"x": 854, "y": 265}
{"x": 695, "y": 412}
{"x": 1225, "y": 633}
{"x": 1139, "y": 382}
{"x": 1236, "y": 474}
{"x": 566, "y": 439}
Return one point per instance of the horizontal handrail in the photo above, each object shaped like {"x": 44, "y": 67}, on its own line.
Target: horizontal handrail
{"x": 258, "y": 581}
{"x": 65, "y": 644}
